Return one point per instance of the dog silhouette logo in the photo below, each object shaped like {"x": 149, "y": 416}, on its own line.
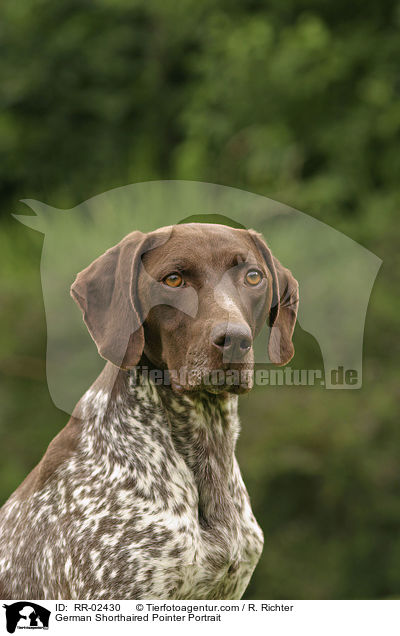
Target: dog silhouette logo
{"x": 26, "y": 615}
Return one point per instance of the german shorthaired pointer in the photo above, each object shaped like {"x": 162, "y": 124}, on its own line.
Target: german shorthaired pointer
{"x": 140, "y": 495}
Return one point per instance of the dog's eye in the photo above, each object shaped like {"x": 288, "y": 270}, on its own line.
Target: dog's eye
{"x": 173, "y": 280}
{"x": 253, "y": 277}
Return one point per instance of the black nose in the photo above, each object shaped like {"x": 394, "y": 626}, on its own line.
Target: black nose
{"x": 233, "y": 340}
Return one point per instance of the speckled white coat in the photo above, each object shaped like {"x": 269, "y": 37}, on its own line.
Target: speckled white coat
{"x": 148, "y": 502}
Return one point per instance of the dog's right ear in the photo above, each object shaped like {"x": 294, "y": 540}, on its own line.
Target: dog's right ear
{"x": 106, "y": 292}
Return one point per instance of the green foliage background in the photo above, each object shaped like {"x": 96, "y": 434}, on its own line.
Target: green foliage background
{"x": 295, "y": 100}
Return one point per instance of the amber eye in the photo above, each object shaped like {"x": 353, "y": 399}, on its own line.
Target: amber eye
{"x": 253, "y": 277}
{"x": 173, "y": 280}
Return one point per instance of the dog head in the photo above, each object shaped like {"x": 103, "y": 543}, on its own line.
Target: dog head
{"x": 190, "y": 298}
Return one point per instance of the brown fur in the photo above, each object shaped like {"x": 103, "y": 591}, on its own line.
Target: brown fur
{"x": 58, "y": 452}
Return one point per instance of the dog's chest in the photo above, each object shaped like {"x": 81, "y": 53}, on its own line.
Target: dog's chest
{"x": 177, "y": 505}
{"x": 169, "y": 552}
{"x": 150, "y": 506}
{"x": 223, "y": 555}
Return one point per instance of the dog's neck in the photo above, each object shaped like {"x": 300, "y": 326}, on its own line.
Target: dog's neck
{"x": 203, "y": 428}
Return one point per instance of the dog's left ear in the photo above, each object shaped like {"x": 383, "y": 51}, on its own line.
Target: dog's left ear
{"x": 284, "y": 305}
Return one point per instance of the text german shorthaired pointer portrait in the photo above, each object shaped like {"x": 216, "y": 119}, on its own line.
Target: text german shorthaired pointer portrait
{"x": 140, "y": 495}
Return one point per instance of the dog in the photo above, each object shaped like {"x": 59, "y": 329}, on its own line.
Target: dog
{"x": 140, "y": 496}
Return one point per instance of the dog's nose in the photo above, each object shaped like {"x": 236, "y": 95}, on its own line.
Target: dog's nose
{"x": 233, "y": 340}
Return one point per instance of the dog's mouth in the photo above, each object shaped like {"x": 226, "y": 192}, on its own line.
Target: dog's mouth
{"x": 206, "y": 371}
{"x": 235, "y": 379}
{"x": 202, "y": 373}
